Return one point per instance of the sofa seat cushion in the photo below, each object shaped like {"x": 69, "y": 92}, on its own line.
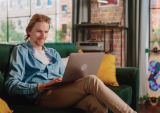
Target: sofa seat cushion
{"x": 38, "y": 109}
{"x": 124, "y": 92}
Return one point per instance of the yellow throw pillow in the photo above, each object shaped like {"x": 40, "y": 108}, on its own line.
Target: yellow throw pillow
{"x": 80, "y": 51}
{"x": 4, "y": 107}
{"x": 107, "y": 70}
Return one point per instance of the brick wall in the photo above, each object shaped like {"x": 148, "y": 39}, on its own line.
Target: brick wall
{"x": 107, "y": 15}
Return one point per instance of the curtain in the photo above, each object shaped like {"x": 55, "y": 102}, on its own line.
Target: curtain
{"x": 137, "y": 39}
{"x": 81, "y": 13}
{"x": 132, "y": 40}
{"x": 144, "y": 43}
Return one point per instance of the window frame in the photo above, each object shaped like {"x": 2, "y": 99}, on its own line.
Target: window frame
{"x": 150, "y": 18}
{"x": 13, "y": 6}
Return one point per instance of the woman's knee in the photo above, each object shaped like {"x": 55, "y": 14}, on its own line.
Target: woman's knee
{"x": 92, "y": 77}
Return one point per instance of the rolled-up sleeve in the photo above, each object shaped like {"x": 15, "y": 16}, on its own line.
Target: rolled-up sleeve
{"x": 14, "y": 82}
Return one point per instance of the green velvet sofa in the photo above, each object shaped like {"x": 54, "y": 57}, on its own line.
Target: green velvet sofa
{"x": 127, "y": 77}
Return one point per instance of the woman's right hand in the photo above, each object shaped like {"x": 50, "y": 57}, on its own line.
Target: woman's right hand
{"x": 53, "y": 81}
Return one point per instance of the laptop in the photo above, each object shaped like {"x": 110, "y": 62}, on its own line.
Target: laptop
{"x": 80, "y": 65}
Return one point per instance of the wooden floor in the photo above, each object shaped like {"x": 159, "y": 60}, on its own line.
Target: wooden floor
{"x": 147, "y": 108}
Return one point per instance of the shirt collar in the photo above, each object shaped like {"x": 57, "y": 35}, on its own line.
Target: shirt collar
{"x": 32, "y": 49}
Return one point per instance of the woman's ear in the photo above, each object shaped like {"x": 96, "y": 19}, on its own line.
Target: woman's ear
{"x": 29, "y": 31}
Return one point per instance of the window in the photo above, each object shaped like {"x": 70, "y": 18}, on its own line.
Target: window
{"x": 19, "y": 24}
{"x": 51, "y": 26}
{"x": 28, "y": 3}
{"x": 64, "y": 7}
{"x": 27, "y": 21}
{"x": 38, "y": 2}
{"x": 10, "y": 4}
{"x": 19, "y": 2}
{"x": 64, "y": 28}
{"x": 49, "y": 2}
{"x": 16, "y": 21}
{"x": 2, "y": 4}
{"x": 154, "y": 22}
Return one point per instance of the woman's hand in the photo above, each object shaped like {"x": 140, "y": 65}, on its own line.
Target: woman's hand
{"x": 53, "y": 81}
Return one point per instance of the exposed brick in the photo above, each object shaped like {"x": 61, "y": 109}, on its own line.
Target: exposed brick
{"x": 118, "y": 59}
{"x": 111, "y": 14}
{"x": 93, "y": 1}
{"x": 120, "y": 13}
{"x": 96, "y": 10}
{"x": 102, "y": 14}
{"x": 93, "y": 6}
{"x": 123, "y": 59}
{"x": 107, "y": 36}
{"x": 121, "y": 1}
{"x": 118, "y": 41}
{"x": 100, "y": 36}
{"x": 119, "y": 9}
{"x": 121, "y": 4}
{"x": 123, "y": 64}
{"x": 118, "y": 54}
{"x": 118, "y": 49}
{"x": 101, "y": 19}
{"x": 117, "y": 36}
{"x": 97, "y": 32}
{"x": 114, "y": 45}
{"x": 93, "y": 36}
{"x": 117, "y": 32}
{"x": 93, "y": 19}
{"x": 113, "y": 18}
{"x": 108, "y": 9}
{"x": 94, "y": 14}
{"x": 118, "y": 65}
{"x": 93, "y": 10}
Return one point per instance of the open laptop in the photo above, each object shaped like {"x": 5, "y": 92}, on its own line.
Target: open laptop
{"x": 80, "y": 65}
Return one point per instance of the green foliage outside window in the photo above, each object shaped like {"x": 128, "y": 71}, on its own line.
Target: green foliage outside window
{"x": 13, "y": 35}
{"x": 60, "y": 35}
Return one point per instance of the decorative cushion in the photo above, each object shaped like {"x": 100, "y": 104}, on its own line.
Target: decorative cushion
{"x": 65, "y": 60}
{"x": 4, "y": 107}
{"x": 80, "y": 51}
{"x": 107, "y": 70}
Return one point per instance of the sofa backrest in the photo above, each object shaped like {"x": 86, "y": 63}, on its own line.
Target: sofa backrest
{"x": 64, "y": 50}
{"x": 5, "y": 51}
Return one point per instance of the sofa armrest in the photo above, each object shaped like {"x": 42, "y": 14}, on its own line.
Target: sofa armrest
{"x": 1, "y": 83}
{"x": 130, "y": 76}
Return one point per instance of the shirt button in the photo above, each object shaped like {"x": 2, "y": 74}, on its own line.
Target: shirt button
{"x": 32, "y": 91}
{"x": 49, "y": 74}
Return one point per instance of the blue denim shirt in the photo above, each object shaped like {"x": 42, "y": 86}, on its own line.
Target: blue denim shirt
{"x": 26, "y": 71}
